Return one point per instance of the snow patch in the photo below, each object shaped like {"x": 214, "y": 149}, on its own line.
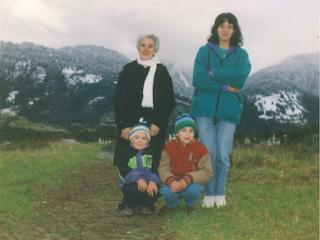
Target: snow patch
{"x": 95, "y": 100}
{"x": 40, "y": 74}
{"x": 183, "y": 102}
{"x": 283, "y": 107}
{"x": 21, "y": 67}
{"x": 12, "y": 96}
{"x": 73, "y": 76}
{"x": 183, "y": 78}
{"x": 8, "y": 111}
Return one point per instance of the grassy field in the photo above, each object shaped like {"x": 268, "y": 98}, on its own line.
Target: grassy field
{"x": 272, "y": 193}
{"x": 70, "y": 192}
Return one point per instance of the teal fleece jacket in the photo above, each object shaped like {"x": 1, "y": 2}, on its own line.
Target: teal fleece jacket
{"x": 211, "y": 98}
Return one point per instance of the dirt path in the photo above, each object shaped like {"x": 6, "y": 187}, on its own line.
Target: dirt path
{"x": 85, "y": 207}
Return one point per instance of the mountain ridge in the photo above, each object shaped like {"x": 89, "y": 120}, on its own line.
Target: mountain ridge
{"x": 74, "y": 86}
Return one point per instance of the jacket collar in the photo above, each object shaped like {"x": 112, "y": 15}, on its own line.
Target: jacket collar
{"x": 141, "y": 149}
{"x": 213, "y": 46}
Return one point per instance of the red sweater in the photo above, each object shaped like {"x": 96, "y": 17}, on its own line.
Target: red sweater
{"x": 191, "y": 163}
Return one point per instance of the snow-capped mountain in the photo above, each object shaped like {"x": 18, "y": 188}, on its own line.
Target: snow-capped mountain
{"x": 283, "y": 94}
{"x": 74, "y": 86}
{"x": 67, "y": 86}
{"x": 182, "y": 81}
{"x": 283, "y": 107}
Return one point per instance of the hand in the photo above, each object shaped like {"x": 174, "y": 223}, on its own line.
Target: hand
{"x": 125, "y": 133}
{"x": 154, "y": 130}
{"x": 142, "y": 185}
{"x": 152, "y": 188}
{"x": 232, "y": 89}
{"x": 210, "y": 73}
{"x": 175, "y": 186}
{"x": 184, "y": 184}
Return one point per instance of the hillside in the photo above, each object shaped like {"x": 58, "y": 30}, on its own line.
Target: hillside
{"x": 73, "y": 87}
{"x": 282, "y": 96}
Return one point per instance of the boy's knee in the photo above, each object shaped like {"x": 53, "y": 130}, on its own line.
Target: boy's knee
{"x": 130, "y": 188}
{"x": 195, "y": 189}
{"x": 166, "y": 191}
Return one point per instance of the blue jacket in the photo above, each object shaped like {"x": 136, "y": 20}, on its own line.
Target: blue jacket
{"x": 210, "y": 98}
{"x": 134, "y": 165}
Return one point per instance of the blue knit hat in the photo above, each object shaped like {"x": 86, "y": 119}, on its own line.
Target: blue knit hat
{"x": 141, "y": 126}
{"x": 184, "y": 120}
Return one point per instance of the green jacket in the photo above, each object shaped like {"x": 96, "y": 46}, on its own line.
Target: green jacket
{"x": 210, "y": 98}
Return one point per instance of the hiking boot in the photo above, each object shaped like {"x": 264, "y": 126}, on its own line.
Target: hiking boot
{"x": 191, "y": 209}
{"x": 144, "y": 210}
{"x": 220, "y": 201}
{"x": 164, "y": 210}
{"x": 208, "y": 202}
{"x": 121, "y": 206}
{"x": 128, "y": 211}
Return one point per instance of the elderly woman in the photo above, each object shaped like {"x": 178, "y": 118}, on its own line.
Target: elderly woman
{"x": 144, "y": 89}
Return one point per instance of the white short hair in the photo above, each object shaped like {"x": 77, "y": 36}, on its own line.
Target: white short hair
{"x": 153, "y": 37}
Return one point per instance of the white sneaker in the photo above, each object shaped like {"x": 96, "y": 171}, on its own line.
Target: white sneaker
{"x": 220, "y": 201}
{"x": 208, "y": 202}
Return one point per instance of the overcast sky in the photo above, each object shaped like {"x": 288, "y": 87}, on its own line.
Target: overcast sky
{"x": 272, "y": 29}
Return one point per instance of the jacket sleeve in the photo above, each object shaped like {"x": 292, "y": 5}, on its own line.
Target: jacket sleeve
{"x": 154, "y": 176}
{"x": 204, "y": 172}
{"x": 164, "y": 100}
{"x": 121, "y": 101}
{"x": 201, "y": 78}
{"x": 234, "y": 77}
{"x": 130, "y": 175}
{"x": 165, "y": 169}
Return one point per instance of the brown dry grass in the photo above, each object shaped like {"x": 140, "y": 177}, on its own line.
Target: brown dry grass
{"x": 85, "y": 207}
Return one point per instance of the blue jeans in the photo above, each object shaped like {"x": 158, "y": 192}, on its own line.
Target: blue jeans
{"x": 218, "y": 140}
{"x": 191, "y": 195}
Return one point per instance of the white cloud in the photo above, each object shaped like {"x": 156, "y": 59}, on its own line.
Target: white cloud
{"x": 272, "y": 29}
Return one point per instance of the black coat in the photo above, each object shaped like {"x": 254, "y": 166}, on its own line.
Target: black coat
{"x": 128, "y": 96}
{"x": 127, "y": 103}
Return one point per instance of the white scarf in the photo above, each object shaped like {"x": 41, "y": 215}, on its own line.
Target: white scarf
{"x": 147, "y": 99}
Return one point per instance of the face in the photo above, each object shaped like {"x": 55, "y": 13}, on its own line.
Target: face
{"x": 140, "y": 141}
{"x": 146, "y": 49}
{"x": 225, "y": 32}
{"x": 185, "y": 135}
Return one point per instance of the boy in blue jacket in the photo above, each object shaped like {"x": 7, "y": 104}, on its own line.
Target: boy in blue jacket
{"x": 138, "y": 176}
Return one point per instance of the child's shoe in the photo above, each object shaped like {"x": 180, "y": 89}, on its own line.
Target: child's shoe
{"x": 191, "y": 209}
{"x": 145, "y": 210}
{"x": 164, "y": 210}
{"x": 220, "y": 201}
{"x": 152, "y": 208}
{"x": 128, "y": 211}
{"x": 208, "y": 202}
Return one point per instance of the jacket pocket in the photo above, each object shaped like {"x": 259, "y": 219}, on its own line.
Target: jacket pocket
{"x": 230, "y": 107}
{"x": 203, "y": 104}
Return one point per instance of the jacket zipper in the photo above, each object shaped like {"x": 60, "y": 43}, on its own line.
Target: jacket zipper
{"x": 215, "y": 119}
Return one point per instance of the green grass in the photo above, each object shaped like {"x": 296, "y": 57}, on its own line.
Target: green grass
{"x": 22, "y": 122}
{"x": 272, "y": 193}
{"x": 22, "y": 172}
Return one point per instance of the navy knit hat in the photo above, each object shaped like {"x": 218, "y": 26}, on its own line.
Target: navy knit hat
{"x": 184, "y": 120}
{"x": 141, "y": 126}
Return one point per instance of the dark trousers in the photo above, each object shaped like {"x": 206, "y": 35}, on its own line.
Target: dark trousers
{"x": 133, "y": 197}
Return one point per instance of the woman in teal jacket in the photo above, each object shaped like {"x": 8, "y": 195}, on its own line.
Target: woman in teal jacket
{"x": 220, "y": 71}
